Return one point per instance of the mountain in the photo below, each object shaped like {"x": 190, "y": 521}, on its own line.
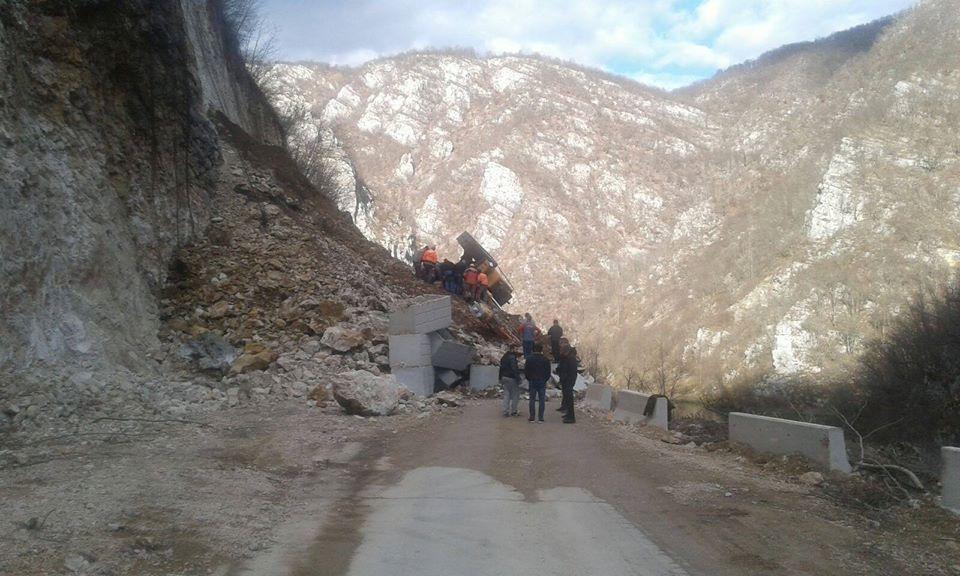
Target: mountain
{"x": 767, "y": 221}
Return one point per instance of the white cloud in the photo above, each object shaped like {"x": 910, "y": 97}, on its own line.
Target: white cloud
{"x": 658, "y": 41}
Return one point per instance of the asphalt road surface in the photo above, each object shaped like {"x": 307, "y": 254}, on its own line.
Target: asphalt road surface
{"x": 478, "y": 494}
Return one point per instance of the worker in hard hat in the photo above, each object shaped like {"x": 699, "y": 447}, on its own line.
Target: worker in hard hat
{"x": 428, "y": 263}
{"x": 483, "y": 284}
{"x": 470, "y": 279}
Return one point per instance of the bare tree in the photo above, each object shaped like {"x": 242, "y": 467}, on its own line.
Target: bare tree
{"x": 255, "y": 37}
{"x": 668, "y": 370}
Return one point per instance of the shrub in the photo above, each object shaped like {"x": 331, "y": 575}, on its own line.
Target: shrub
{"x": 909, "y": 380}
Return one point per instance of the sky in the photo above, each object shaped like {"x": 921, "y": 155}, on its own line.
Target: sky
{"x": 664, "y": 43}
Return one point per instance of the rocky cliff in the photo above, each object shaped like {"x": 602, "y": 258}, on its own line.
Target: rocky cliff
{"x": 769, "y": 220}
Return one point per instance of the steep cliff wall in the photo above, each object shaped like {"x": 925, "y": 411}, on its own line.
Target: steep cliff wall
{"x": 109, "y": 157}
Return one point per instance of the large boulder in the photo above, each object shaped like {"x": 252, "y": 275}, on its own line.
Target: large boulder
{"x": 363, "y": 393}
{"x": 343, "y": 338}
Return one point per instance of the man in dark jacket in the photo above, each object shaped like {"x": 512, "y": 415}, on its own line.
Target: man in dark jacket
{"x": 510, "y": 380}
{"x": 567, "y": 371}
{"x": 555, "y": 333}
{"x": 537, "y": 371}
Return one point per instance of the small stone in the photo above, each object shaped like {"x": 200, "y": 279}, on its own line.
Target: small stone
{"x": 811, "y": 479}
{"x": 233, "y": 396}
{"x": 342, "y": 338}
{"x": 249, "y": 362}
{"x": 311, "y": 347}
{"x": 319, "y": 394}
{"x": 218, "y": 310}
{"x": 77, "y": 562}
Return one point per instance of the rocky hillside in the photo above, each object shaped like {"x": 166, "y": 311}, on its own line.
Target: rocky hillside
{"x": 160, "y": 248}
{"x": 766, "y": 221}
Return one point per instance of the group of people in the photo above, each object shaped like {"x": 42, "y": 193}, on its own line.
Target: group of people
{"x": 537, "y": 370}
{"x": 466, "y": 277}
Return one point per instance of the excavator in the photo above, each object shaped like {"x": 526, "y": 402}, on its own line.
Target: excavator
{"x": 500, "y": 289}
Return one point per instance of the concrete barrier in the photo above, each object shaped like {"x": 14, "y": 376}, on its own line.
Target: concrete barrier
{"x": 630, "y": 407}
{"x": 410, "y": 350}
{"x": 821, "y": 444}
{"x": 599, "y": 396}
{"x": 951, "y": 478}
{"x": 419, "y": 379}
{"x": 484, "y": 377}
{"x": 422, "y": 315}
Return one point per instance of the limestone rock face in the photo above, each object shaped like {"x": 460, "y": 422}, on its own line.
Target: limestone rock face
{"x": 363, "y": 393}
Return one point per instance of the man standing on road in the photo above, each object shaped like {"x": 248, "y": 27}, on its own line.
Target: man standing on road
{"x": 528, "y": 334}
{"x": 567, "y": 371}
{"x": 510, "y": 380}
{"x": 537, "y": 371}
{"x": 555, "y": 333}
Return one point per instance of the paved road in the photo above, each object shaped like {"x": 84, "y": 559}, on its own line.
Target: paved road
{"x": 478, "y": 494}
{"x": 445, "y": 521}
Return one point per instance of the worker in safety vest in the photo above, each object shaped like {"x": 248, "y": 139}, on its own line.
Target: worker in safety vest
{"x": 470, "y": 278}
{"x": 428, "y": 263}
{"x": 483, "y": 284}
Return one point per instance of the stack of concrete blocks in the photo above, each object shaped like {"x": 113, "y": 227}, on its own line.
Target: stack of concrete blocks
{"x": 599, "y": 397}
{"x": 420, "y": 342}
{"x": 951, "y": 478}
{"x": 631, "y": 405}
{"x": 823, "y": 445}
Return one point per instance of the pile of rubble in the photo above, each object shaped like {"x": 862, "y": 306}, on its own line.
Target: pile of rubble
{"x": 270, "y": 307}
{"x": 278, "y": 301}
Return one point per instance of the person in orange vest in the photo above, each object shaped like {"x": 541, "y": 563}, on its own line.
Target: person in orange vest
{"x": 470, "y": 278}
{"x": 428, "y": 264}
{"x": 483, "y": 284}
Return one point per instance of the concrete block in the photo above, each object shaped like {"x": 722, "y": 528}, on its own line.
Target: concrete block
{"x": 448, "y": 377}
{"x": 418, "y": 380}
{"x": 410, "y": 350}
{"x": 824, "y": 445}
{"x": 580, "y": 384}
{"x": 422, "y": 315}
{"x": 599, "y": 396}
{"x": 630, "y": 406}
{"x": 484, "y": 377}
{"x": 451, "y": 355}
{"x": 951, "y": 478}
